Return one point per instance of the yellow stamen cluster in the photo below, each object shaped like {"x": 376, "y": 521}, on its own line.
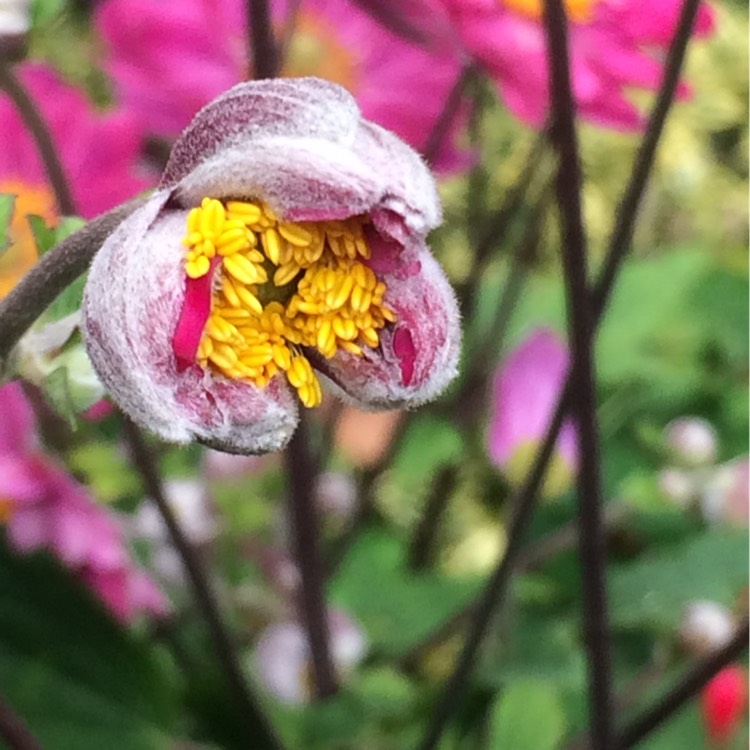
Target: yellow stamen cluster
{"x": 281, "y": 286}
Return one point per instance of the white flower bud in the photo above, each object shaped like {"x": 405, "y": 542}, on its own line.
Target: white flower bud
{"x": 692, "y": 441}
{"x": 705, "y": 626}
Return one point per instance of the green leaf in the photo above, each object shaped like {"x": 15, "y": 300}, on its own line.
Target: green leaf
{"x": 396, "y": 608}
{"x": 7, "y": 205}
{"x": 67, "y": 302}
{"x": 79, "y": 679}
{"x": 527, "y": 716}
{"x": 652, "y": 592}
{"x": 44, "y": 236}
{"x": 58, "y": 392}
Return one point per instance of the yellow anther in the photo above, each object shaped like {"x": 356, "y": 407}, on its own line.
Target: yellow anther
{"x": 249, "y": 213}
{"x": 285, "y": 273}
{"x": 205, "y": 348}
{"x": 220, "y": 330}
{"x": 198, "y": 267}
{"x": 295, "y": 233}
{"x": 230, "y": 293}
{"x": 244, "y": 270}
{"x": 211, "y": 222}
{"x": 370, "y": 336}
{"x": 351, "y": 347}
{"x": 249, "y": 299}
{"x": 272, "y": 245}
{"x": 338, "y": 296}
{"x": 224, "y": 356}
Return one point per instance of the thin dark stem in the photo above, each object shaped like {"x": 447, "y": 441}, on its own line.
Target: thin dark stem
{"x": 494, "y": 591}
{"x": 34, "y": 121}
{"x": 627, "y": 211}
{"x": 264, "y": 54}
{"x": 445, "y": 120}
{"x": 258, "y": 728}
{"x": 593, "y": 552}
{"x": 422, "y": 547}
{"x": 492, "y": 597}
{"x": 305, "y": 533}
{"x": 55, "y": 271}
{"x": 13, "y": 729}
{"x": 687, "y": 688}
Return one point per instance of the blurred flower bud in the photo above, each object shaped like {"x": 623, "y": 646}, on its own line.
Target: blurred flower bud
{"x": 723, "y": 704}
{"x": 692, "y": 441}
{"x": 679, "y": 486}
{"x": 336, "y": 495}
{"x": 52, "y": 357}
{"x": 527, "y": 386}
{"x": 705, "y": 626}
{"x": 725, "y": 497}
{"x": 15, "y": 22}
{"x": 282, "y": 656}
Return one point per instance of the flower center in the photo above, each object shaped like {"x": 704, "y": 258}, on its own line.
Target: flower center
{"x": 22, "y": 253}
{"x": 315, "y": 49}
{"x": 578, "y": 11}
{"x": 276, "y": 287}
{"x": 7, "y": 507}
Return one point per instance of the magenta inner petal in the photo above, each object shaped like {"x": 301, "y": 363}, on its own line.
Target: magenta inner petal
{"x": 196, "y": 308}
{"x": 403, "y": 347}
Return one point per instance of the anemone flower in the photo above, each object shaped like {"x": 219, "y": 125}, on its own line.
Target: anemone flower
{"x": 288, "y": 233}
{"x": 43, "y": 507}
{"x": 99, "y": 154}
{"x": 166, "y": 63}
{"x": 526, "y": 388}
{"x": 615, "y": 45}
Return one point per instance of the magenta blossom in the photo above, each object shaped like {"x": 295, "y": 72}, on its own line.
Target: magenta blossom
{"x": 526, "y": 389}
{"x": 99, "y": 154}
{"x": 400, "y": 85}
{"x": 287, "y": 234}
{"x": 45, "y": 508}
{"x": 615, "y": 45}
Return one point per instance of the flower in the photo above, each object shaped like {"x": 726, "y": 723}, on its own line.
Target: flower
{"x": 398, "y": 84}
{"x": 615, "y": 45}
{"x": 287, "y": 233}
{"x": 44, "y": 507}
{"x": 525, "y": 392}
{"x": 282, "y": 655}
{"x": 725, "y": 494}
{"x": 692, "y": 441}
{"x": 706, "y": 626}
{"x": 98, "y": 152}
{"x": 723, "y": 703}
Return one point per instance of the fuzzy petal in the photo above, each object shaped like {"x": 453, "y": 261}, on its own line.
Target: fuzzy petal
{"x": 131, "y": 306}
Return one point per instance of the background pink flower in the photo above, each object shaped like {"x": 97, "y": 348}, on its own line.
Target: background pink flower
{"x": 45, "y": 508}
{"x": 170, "y": 58}
{"x": 99, "y": 154}
{"x": 526, "y": 388}
{"x": 615, "y": 45}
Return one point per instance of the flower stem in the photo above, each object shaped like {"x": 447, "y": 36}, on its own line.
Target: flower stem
{"x": 258, "y": 728}
{"x": 34, "y": 121}
{"x": 264, "y": 53}
{"x": 685, "y": 689}
{"x": 56, "y": 270}
{"x": 592, "y": 552}
{"x": 492, "y": 597}
{"x": 13, "y": 729}
{"x": 442, "y": 126}
{"x": 303, "y": 519}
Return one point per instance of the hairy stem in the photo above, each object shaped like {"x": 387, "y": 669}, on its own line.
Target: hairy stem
{"x": 305, "y": 533}
{"x": 59, "y": 268}
{"x": 258, "y": 728}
